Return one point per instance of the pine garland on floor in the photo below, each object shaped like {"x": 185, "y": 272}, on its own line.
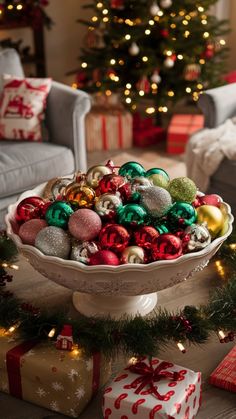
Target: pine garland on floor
{"x": 137, "y": 335}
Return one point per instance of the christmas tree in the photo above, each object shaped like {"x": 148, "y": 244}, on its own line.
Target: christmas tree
{"x": 158, "y": 51}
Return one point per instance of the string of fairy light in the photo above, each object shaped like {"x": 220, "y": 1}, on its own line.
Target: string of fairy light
{"x": 103, "y": 16}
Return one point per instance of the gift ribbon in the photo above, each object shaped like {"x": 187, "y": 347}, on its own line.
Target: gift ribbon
{"x": 104, "y": 132}
{"x": 13, "y": 363}
{"x": 120, "y": 132}
{"x": 119, "y": 129}
{"x": 149, "y": 375}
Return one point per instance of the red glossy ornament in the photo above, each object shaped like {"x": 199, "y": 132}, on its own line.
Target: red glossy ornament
{"x": 104, "y": 257}
{"x": 146, "y": 236}
{"x": 212, "y": 199}
{"x": 114, "y": 237}
{"x": 111, "y": 183}
{"x": 167, "y": 247}
{"x": 164, "y": 33}
{"x": 196, "y": 203}
{"x": 29, "y": 208}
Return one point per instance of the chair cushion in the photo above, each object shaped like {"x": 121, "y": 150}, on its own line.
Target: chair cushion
{"x": 24, "y": 165}
{"x": 10, "y": 64}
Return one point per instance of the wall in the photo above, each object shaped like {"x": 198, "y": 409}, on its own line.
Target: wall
{"x": 63, "y": 41}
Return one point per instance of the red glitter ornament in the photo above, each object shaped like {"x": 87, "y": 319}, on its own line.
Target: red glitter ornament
{"x": 167, "y": 246}
{"x": 114, "y": 237}
{"x": 111, "y": 183}
{"x": 125, "y": 192}
{"x": 29, "y": 208}
{"x": 104, "y": 257}
{"x": 212, "y": 199}
{"x": 146, "y": 236}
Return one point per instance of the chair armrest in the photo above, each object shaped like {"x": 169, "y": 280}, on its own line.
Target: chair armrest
{"x": 65, "y": 119}
{"x": 218, "y": 104}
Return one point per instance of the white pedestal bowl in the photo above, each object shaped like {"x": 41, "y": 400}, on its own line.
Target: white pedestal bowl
{"x": 115, "y": 290}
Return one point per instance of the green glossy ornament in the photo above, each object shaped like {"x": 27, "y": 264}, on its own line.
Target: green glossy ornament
{"x": 157, "y": 171}
{"x": 132, "y": 214}
{"x": 131, "y": 169}
{"x": 181, "y": 215}
{"x": 161, "y": 227}
{"x": 182, "y": 189}
{"x": 58, "y": 214}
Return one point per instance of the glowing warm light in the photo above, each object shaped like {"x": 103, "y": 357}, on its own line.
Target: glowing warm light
{"x": 127, "y": 92}
{"x": 127, "y": 37}
{"x": 99, "y": 5}
{"x": 121, "y": 62}
{"x": 173, "y": 25}
{"x": 10, "y": 6}
{"x": 188, "y": 17}
{"x": 185, "y": 22}
{"x": 128, "y": 100}
{"x": 232, "y": 246}
{"x": 150, "y": 110}
{"x": 164, "y": 109}
{"x": 154, "y": 86}
{"x": 112, "y": 61}
{"x": 98, "y": 84}
{"x": 206, "y": 35}
{"x": 141, "y": 93}
{"x": 222, "y": 42}
{"x": 94, "y": 19}
{"x": 171, "y": 93}
{"x": 180, "y": 57}
{"x": 147, "y": 32}
{"x": 221, "y": 334}
{"x": 145, "y": 59}
{"x": 151, "y": 22}
{"x": 105, "y": 12}
{"x": 133, "y": 360}
{"x": 75, "y": 351}
{"x": 202, "y": 61}
{"x": 105, "y": 19}
{"x": 182, "y": 13}
{"x": 19, "y": 7}
{"x": 181, "y": 347}
{"x": 12, "y": 329}
{"x": 220, "y": 268}
{"x": 188, "y": 89}
{"x": 200, "y": 9}
{"x": 160, "y": 109}
{"x": 52, "y": 332}
{"x": 134, "y": 107}
{"x": 186, "y": 34}
{"x": 160, "y": 13}
{"x": 204, "y": 22}
{"x": 169, "y": 53}
{"x": 84, "y": 65}
{"x": 200, "y": 86}
{"x": 128, "y": 85}
{"x": 108, "y": 92}
{"x": 4, "y": 265}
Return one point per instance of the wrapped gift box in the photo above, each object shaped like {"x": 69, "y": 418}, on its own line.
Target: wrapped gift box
{"x": 145, "y": 133}
{"x": 230, "y": 77}
{"x": 224, "y": 375}
{"x": 57, "y": 380}
{"x": 181, "y": 127}
{"x": 152, "y": 390}
{"x": 108, "y": 129}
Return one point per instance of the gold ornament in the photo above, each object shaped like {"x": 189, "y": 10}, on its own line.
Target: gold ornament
{"x": 212, "y": 216}
{"x": 80, "y": 196}
{"x": 95, "y": 174}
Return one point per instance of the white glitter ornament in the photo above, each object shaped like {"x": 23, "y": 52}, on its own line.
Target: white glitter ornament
{"x": 53, "y": 241}
{"x": 134, "y": 49}
{"x": 166, "y": 3}
{"x": 199, "y": 237}
{"x": 154, "y": 9}
{"x": 156, "y": 200}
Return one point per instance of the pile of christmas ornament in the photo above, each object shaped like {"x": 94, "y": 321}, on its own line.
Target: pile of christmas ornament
{"x": 117, "y": 215}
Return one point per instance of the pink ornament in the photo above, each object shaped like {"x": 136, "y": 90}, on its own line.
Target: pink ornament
{"x": 212, "y": 199}
{"x": 104, "y": 257}
{"x": 84, "y": 224}
{"x": 29, "y": 230}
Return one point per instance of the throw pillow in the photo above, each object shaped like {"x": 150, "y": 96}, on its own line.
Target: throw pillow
{"x": 22, "y": 108}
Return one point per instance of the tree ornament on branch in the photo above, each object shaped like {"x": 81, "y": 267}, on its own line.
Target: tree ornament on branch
{"x": 134, "y": 49}
{"x": 154, "y": 9}
{"x": 117, "y": 4}
{"x": 165, "y": 4}
{"x": 192, "y": 72}
{"x": 144, "y": 85}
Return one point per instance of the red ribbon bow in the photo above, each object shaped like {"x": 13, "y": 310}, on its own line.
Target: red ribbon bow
{"x": 149, "y": 375}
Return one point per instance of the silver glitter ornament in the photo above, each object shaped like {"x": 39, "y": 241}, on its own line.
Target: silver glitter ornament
{"x": 82, "y": 251}
{"x": 156, "y": 200}
{"x": 107, "y": 204}
{"x": 199, "y": 237}
{"x": 53, "y": 241}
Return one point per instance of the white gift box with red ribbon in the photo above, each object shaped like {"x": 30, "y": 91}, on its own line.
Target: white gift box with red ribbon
{"x": 151, "y": 390}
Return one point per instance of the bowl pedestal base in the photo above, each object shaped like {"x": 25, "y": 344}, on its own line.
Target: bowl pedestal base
{"x": 99, "y": 305}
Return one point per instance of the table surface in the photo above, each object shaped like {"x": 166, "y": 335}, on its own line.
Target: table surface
{"x": 217, "y": 404}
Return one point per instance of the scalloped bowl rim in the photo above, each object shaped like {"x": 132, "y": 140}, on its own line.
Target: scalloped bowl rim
{"x": 109, "y": 268}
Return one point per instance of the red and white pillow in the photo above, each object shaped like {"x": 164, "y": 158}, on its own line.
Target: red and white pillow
{"x": 22, "y": 107}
